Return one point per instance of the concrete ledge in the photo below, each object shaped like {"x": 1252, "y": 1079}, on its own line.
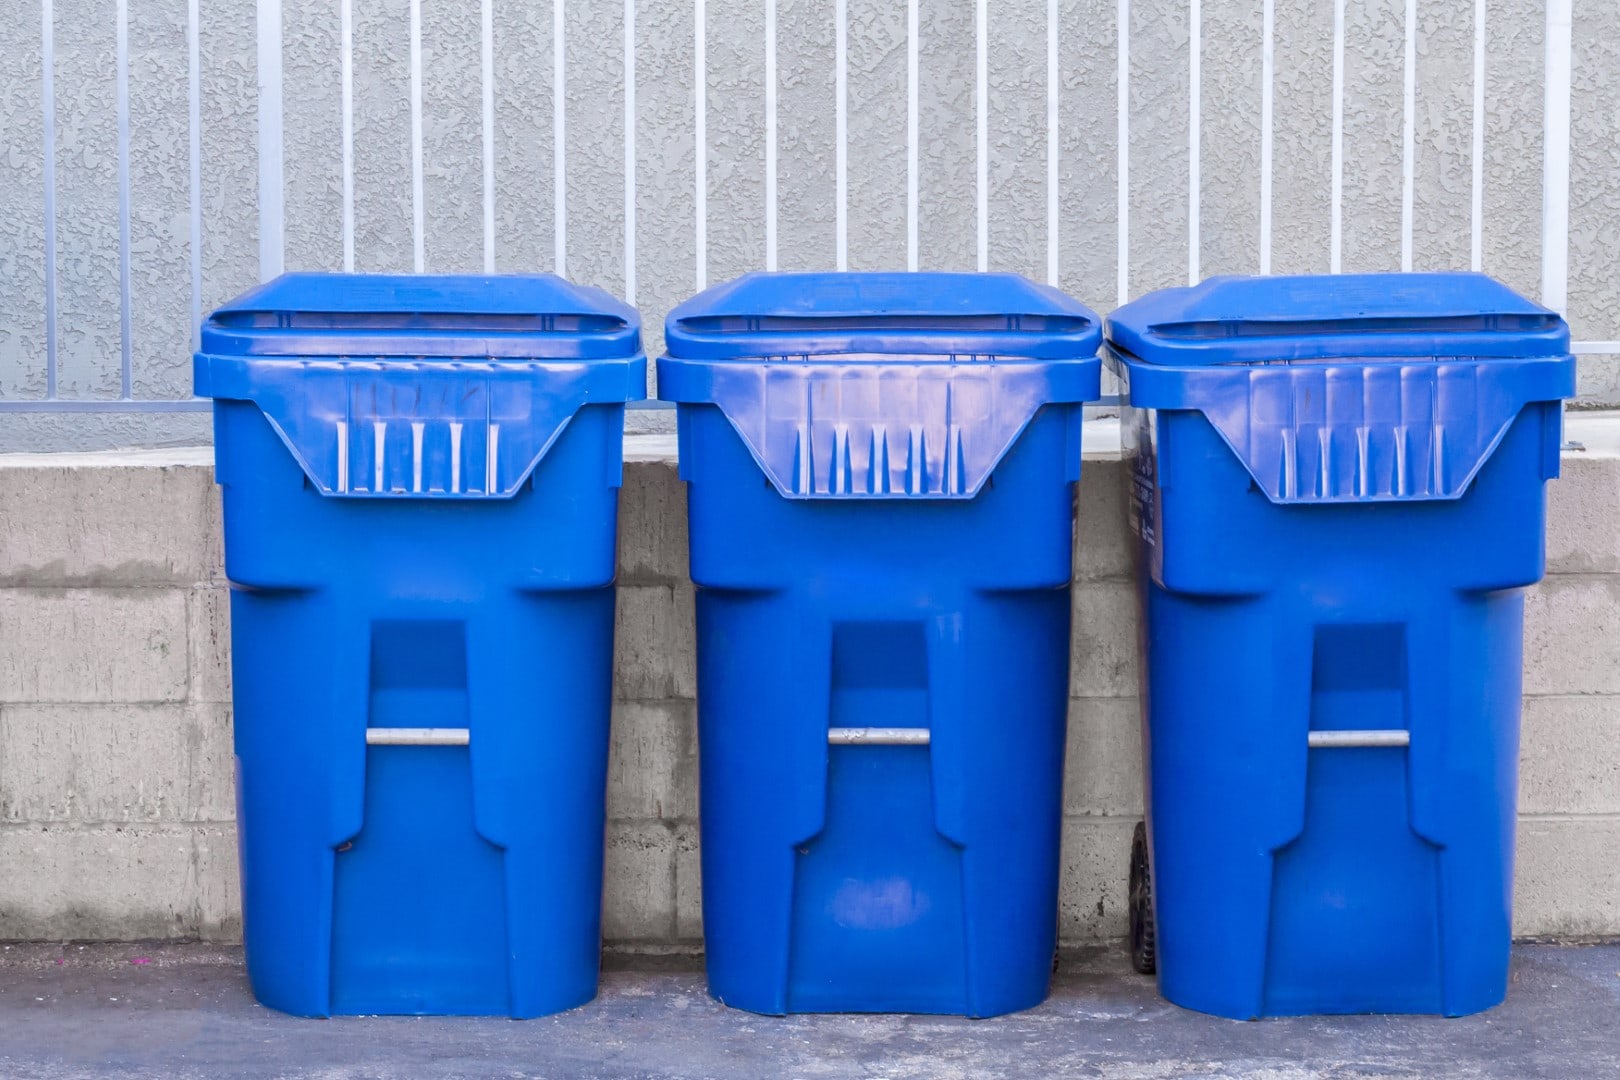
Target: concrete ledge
{"x": 116, "y": 801}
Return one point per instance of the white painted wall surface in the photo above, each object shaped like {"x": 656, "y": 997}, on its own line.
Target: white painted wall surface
{"x": 159, "y": 156}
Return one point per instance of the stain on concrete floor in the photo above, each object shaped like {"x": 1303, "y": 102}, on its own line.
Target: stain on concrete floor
{"x": 184, "y": 1012}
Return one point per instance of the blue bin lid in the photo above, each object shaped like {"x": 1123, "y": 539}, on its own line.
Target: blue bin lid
{"x": 515, "y": 316}
{"x": 1408, "y": 382}
{"x": 1238, "y": 320}
{"x": 768, "y": 315}
{"x": 484, "y": 373}
{"x": 937, "y": 374}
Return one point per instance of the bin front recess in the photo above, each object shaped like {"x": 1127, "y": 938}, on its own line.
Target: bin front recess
{"x": 1338, "y": 489}
{"x": 881, "y": 472}
{"x": 420, "y": 495}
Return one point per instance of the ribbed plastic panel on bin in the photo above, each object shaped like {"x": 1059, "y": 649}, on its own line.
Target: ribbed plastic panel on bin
{"x": 881, "y": 474}
{"x": 1338, "y": 486}
{"x": 420, "y": 494}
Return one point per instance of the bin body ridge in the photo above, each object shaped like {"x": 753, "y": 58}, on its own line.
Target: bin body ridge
{"x": 422, "y": 679}
{"x": 1332, "y": 589}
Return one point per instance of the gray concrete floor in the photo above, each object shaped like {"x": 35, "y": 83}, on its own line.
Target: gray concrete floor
{"x": 184, "y": 1011}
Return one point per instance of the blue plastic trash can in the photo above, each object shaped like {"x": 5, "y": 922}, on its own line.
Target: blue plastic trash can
{"x": 1338, "y": 489}
{"x": 420, "y": 483}
{"x": 881, "y": 472}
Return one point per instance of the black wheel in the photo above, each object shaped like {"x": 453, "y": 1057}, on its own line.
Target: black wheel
{"x": 1144, "y": 956}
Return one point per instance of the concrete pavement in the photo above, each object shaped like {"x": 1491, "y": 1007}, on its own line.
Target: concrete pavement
{"x": 183, "y": 1011}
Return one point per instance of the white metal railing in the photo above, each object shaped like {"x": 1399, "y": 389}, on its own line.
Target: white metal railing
{"x": 275, "y": 19}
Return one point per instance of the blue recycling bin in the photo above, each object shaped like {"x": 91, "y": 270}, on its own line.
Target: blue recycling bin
{"x": 881, "y": 472}
{"x": 1337, "y": 486}
{"x": 420, "y": 479}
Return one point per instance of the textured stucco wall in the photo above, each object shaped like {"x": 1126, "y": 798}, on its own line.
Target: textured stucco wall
{"x": 89, "y": 337}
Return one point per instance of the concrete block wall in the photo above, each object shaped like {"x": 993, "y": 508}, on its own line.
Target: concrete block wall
{"x": 1568, "y": 881}
{"x": 116, "y": 802}
{"x": 117, "y": 808}
{"x": 651, "y": 892}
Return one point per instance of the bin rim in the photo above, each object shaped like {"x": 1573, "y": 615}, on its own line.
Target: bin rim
{"x": 920, "y": 317}
{"x": 1242, "y": 320}
{"x": 424, "y": 317}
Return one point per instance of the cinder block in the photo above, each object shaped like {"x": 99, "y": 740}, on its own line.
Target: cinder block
{"x": 83, "y": 525}
{"x": 688, "y": 885}
{"x": 218, "y": 883}
{"x": 1567, "y": 883}
{"x": 212, "y": 785}
{"x": 638, "y": 890}
{"x": 122, "y": 882}
{"x": 652, "y": 766}
{"x": 1103, "y": 770}
{"x": 213, "y": 522}
{"x": 684, "y": 642}
{"x": 654, "y": 649}
{"x": 1103, "y": 644}
{"x": 1102, "y": 550}
{"x": 1569, "y": 755}
{"x": 208, "y": 642}
{"x": 652, "y": 525}
{"x": 1096, "y": 868}
{"x": 1583, "y": 516}
{"x": 1572, "y": 635}
{"x": 113, "y": 763}
{"x": 93, "y": 645}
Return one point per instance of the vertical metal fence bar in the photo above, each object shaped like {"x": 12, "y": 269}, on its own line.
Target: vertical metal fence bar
{"x": 272, "y": 251}
{"x": 841, "y": 128}
{"x": 982, "y": 118}
{"x": 1476, "y": 247}
{"x": 559, "y": 144}
{"x": 194, "y": 160}
{"x": 418, "y": 207}
{"x": 1268, "y": 79}
{"x": 1336, "y": 222}
{"x": 770, "y": 134}
{"x": 700, "y": 141}
{"x": 1555, "y": 163}
{"x": 1123, "y": 207}
{"x": 126, "y": 373}
{"x": 486, "y": 64}
{"x": 1053, "y": 143}
{"x": 1408, "y": 133}
{"x": 47, "y": 56}
{"x": 1195, "y": 109}
{"x": 346, "y": 62}
{"x": 912, "y": 178}
{"x": 630, "y": 151}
